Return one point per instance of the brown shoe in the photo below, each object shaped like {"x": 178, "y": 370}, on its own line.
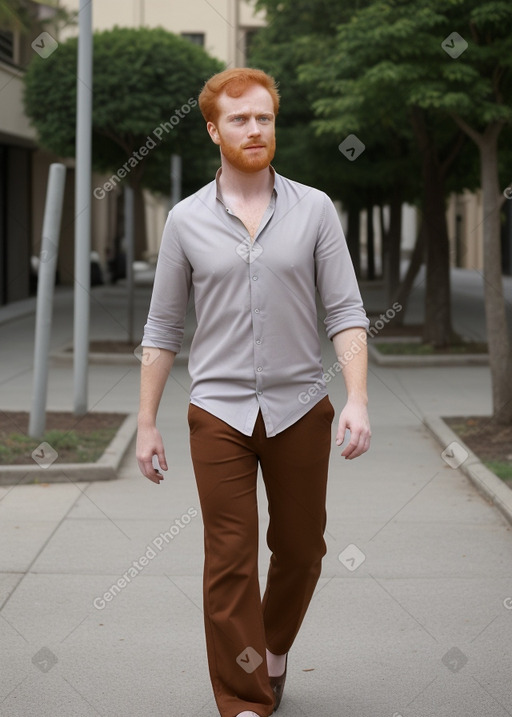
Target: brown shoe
{"x": 277, "y": 684}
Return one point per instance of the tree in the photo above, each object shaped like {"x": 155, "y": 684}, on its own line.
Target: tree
{"x": 366, "y": 78}
{"x": 475, "y": 89}
{"x": 145, "y": 87}
{"x": 440, "y": 59}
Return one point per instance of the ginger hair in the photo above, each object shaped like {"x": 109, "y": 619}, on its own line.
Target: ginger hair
{"x": 234, "y": 82}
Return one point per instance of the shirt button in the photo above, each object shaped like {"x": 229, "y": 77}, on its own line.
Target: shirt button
{"x": 260, "y": 368}
{"x": 260, "y": 393}
{"x": 256, "y": 311}
{"x": 255, "y": 278}
{"x": 258, "y": 341}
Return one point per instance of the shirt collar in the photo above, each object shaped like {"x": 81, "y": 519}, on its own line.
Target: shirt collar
{"x": 219, "y": 172}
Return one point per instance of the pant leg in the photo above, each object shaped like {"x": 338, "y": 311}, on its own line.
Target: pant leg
{"x": 295, "y": 466}
{"x": 225, "y": 467}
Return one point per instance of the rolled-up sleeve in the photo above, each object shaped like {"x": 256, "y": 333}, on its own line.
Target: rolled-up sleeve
{"x": 335, "y": 276}
{"x": 165, "y": 324}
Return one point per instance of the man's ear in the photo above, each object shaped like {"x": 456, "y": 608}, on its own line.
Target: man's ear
{"x": 213, "y": 132}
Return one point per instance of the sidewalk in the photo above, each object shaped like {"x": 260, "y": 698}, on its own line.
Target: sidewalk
{"x": 412, "y": 616}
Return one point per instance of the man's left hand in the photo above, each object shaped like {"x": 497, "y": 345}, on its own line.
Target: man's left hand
{"x": 354, "y": 418}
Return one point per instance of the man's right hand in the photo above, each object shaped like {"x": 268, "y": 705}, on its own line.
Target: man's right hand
{"x": 149, "y": 444}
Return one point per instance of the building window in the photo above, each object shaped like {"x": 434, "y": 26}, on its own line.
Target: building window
{"x": 6, "y": 46}
{"x": 196, "y": 37}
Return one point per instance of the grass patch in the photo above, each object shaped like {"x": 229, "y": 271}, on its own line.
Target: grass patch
{"x": 75, "y": 439}
{"x": 71, "y": 447}
{"x": 490, "y": 442}
{"x": 502, "y": 469}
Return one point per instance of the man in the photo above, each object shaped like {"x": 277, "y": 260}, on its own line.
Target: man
{"x": 255, "y": 246}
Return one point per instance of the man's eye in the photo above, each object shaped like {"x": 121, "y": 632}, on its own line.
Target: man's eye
{"x": 264, "y": 119}
{"x": 238, "y": 119}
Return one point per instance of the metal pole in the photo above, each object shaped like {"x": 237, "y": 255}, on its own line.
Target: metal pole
{"x": 129, "y": 241}
{"x": 83, "y": 207}
{"x": 44, "y": 307}
{"x": 175, "y": 179}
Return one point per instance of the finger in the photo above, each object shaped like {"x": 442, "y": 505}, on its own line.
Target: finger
{"x": 349, "y": 451}
{"x": 149, "y": 471}
{"x": 342, "y": 431}
{"x": 154, "y": 474}
{"x": 361, "y": 447}
{"x": 162, "y": 460}
{"x": 156, "y": 478}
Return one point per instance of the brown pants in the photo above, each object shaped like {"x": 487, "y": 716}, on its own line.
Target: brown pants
{"x": 238, "y": 624}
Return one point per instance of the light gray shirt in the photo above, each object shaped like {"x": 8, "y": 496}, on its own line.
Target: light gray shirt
{"x": 256, "y": 345}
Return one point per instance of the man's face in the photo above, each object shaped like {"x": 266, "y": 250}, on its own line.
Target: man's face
{"x": 245, "y": 129}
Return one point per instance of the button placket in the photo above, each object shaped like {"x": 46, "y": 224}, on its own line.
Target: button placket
{"x": 257, "y": 327}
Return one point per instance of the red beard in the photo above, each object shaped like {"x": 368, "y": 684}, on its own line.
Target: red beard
{"x": 249, "y": 160}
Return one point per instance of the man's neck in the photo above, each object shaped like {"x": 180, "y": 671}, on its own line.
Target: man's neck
{"x": 245, "y": 185}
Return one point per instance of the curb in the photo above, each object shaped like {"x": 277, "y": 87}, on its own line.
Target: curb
{"x": 105, "y": 468}
{"x": 488, "y": 484}
{"x": 424, "y": 361}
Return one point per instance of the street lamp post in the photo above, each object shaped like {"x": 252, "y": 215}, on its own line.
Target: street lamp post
{"x": 83, "y": 207}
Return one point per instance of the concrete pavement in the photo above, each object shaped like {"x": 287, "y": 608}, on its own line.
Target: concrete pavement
{"x": 412, "y": 616}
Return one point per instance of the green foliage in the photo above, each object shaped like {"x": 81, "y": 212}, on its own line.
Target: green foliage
{"x": 141, "y": 79}
{"x": 391, "y": 53}
{"x": 72, "y": 446}
{"x": 299, "y": 32}
{"x": 503, "y": 469}
{"x": 14, "y": 15}
{"x": 388, "y": 59}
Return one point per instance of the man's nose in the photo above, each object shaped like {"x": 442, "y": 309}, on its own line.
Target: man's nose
{"x": 253, "y": 127}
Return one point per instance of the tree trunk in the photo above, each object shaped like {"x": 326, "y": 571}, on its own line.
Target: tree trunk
{"x": 370, "y": 245}
{"x": 498, "y": 339}
{"x": 391, "y": 242}
{"x": 140, "y": 222}
{"x": 437, "y": 329}
{"x": 353, "y": 240}
{"x": 417, "y": 258}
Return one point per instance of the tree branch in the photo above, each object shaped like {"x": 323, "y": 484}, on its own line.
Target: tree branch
{"x": 419, "y": 128}
{"x": 474, "y": 33}
{"x": 456, "y": 147}
{"x": 118, "y": 139}
{"x": 475, "y": 136}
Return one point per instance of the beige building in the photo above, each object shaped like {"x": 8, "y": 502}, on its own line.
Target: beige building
{"x": 222, "y": 27}
{"x": 21, "y": 185}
